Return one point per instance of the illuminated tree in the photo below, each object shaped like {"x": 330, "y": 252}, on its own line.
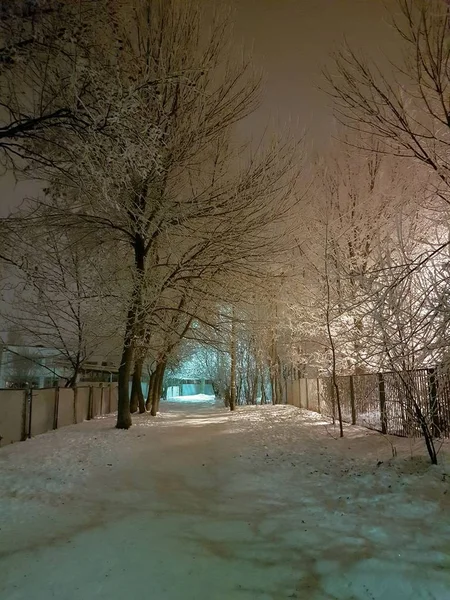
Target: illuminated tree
{"x": 162, "y": 180}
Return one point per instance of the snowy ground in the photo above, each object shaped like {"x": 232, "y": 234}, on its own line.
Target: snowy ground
{"x": 196, "y": 399}
{"x": 201, "y": 504}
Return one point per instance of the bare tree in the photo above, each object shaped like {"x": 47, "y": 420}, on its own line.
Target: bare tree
{"x": 408, "y": 107}
{"x": 408, "y": 315}
{"x": 163, "y": 331}
{"x": 44, "y": 94}
{"x": 360, "y": 193}
{"x": 61, "y": 297}
{"x": 166, "y": 183}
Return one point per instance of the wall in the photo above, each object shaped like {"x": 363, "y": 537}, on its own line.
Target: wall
{"x": 26, "y": 413}
{"x": 12, "y": 416}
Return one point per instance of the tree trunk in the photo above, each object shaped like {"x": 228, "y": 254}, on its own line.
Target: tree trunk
{"x": 123, "y": 409}
{"x": 263, "y": 390}
{"x": 72, "y": 381}
{"x": 161, "y": 384}
{"x": 137, "y": 397}
{"x": 358, "y": 346}
{"x": 151, "y": 385}
{"x": 248, "y": 385}
{"x": 254, "y": 392}
{"x": 142, "y": 409}
{"x": 280, "y": 389}
{"x": 157, "y": 388}
{"x": 331, "y": 339}
{"x": 215, "y": 388}
{"x": 126, "y": 365}
{"x": 126, "y": 361}
{"x": 233, "y": 365}
{"x": 155, "y": 393}
{"x": 239, "y": 386}
{"x": 273, "y": 366}
{"x": 427, "y": 434}
{"x": 273, "y": 387}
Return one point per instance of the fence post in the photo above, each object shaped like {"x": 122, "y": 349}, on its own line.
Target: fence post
{"x": 30, "y": 411}
{"x": 23, "y": 433}
{"x": 318, "y": 396}
{"x": 90, "y": 408}
{"x": 433, "y": 401}
{"x": 333, "y": 398}
{"x": 110, "y": 398}
{"x": 382, "y": 395}
{"x": 101, "y": 398}
{"x": 56, "y": 409}
{"x": 352, "y": 400}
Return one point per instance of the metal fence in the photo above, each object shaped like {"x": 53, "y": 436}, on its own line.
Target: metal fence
{"x": 386, "y": 402}
{"x": 26, "y": 413}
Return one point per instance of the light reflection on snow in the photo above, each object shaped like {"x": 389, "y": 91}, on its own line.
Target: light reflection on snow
{"x": 195, "y": 398}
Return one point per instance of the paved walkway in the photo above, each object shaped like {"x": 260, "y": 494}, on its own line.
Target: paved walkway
{"x": 204, "y": 505}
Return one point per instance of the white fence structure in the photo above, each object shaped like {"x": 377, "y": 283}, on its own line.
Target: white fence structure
{"x": 29, "y": 412}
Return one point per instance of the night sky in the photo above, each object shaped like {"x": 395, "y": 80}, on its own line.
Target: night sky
{"x": 292, "y": 41}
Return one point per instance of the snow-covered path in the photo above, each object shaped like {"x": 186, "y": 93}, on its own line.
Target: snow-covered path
{"x": 200, "y": 504}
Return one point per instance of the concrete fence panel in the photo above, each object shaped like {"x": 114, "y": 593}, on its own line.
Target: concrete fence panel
{"x": 96, "y": 402}
{"x": 65, "y": 407}
{"x": 42, "y": 410}
{"x": 26, "y": 413}
{"x": 289, "y": 392}
{"x": 313, "y": 397}
{"x": 303, "y": 393}
{"x": 114, "y": 398}
{"x": 104, "y": 405}
{"x": 82, "y": 404}
{"x": 296, "y": 393}
{"x": 12, "y": 417}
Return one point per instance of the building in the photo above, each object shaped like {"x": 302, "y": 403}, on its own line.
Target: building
{"x": 39, "y": 367}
